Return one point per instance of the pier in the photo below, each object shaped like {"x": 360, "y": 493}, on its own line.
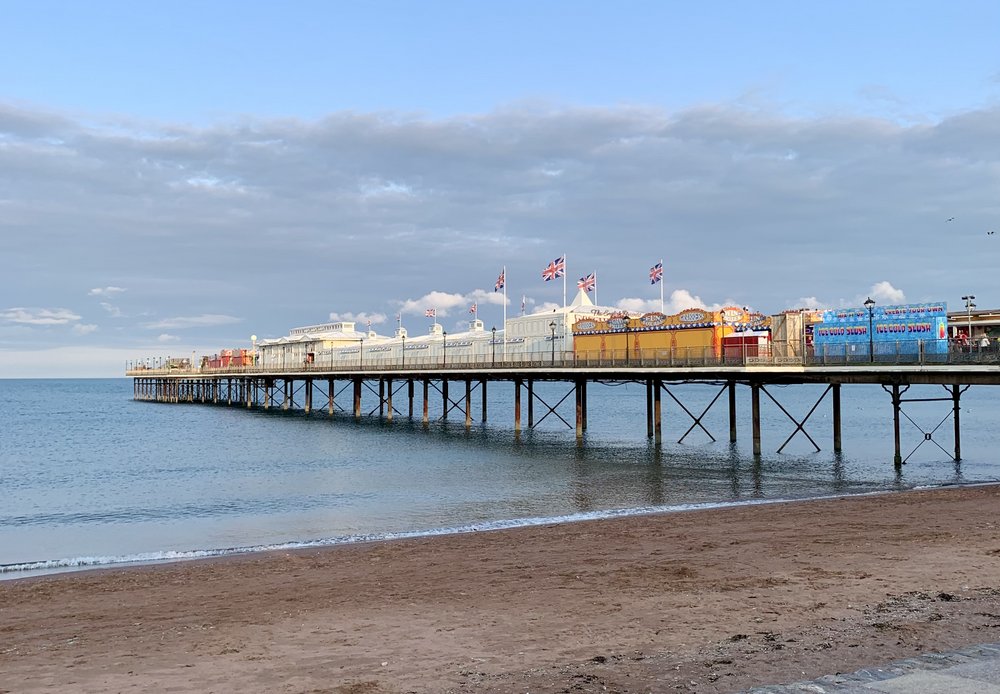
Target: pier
{"x": 406, "y": 389}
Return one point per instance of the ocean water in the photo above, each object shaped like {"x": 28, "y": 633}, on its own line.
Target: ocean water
{"x": 89, "y": 477}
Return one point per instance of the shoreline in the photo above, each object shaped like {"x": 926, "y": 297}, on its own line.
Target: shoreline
{"x": 17, "y": 571}
{"x": 707, "y": 600}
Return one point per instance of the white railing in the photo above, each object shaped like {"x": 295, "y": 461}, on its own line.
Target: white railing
{"x": 913, "y": 352}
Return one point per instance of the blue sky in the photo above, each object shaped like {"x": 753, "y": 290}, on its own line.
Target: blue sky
{"x": 196, "y": 61}
{"x": 175, "y": 177}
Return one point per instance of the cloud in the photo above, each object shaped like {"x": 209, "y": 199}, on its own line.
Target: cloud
{"x": 84, "y": 328}
{"x": 39, "y": 316}
{"x": 112, "y": 310}
{"x": 165, "y": 338}
{"x": 105, "y": 291}
{"x": 375, "y": 318}
{"x": 442, "y": 302}
{"x": 807, "y": 302}
{"x": 269, "y": 218}
{"x": 202, "y": 321}
{"x": 678, "y": 300}
{"x": 884, "y": 293}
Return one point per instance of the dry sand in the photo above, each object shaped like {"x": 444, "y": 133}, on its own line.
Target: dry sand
{"x": 708, "y": 601}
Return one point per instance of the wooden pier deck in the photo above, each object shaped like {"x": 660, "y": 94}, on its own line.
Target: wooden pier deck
{"x": 261, "y": 387}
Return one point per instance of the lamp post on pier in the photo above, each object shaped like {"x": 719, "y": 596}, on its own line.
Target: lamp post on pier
{"x": 968, "y": 311}
{"x": 494, "y": 345}
{"x": 870, "y": 305}
{"x": 402, "y": 354}
{"x": 444, "y": 351}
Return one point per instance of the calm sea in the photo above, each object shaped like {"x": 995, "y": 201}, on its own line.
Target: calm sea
{"x": 90, "y": 477}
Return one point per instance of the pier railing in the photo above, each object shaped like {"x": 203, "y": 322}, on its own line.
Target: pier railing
{"x": 901, "y": 352}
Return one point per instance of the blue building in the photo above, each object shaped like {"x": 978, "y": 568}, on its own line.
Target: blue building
{"x": 910, "y": 332}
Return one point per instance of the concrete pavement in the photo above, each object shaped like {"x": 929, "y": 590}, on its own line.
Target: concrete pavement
{"x": 972, "y": 670}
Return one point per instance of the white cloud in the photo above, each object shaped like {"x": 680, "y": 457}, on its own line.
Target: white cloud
{"x": 39, "y": 316}
{"x": 375, "y": 318}
{"x": 112, "y": 310}
{"x": 105, "y": 291}
{"x": 807, "y": 302}
{"x": 202, "y": 321}
{"x": 166, "y": 338}
{"x": 884, "y": 293}
{"x": 84, "y": 328}
{"x": 443, "y": 302}
{"x": 677, "y": 301}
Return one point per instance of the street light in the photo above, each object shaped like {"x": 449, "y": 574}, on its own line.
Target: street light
{"x": 444, "y": 353}
{"x": 968, "y": 309}
{"x": 361, "y": 352}
{"x": 552, "y": 327}
{"x": 402, "y": 354}
{"x": 870, "y": 305}
{"x": 494, "y": 344}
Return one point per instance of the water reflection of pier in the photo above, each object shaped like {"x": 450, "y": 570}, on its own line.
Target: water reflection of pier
{"x": 396, "y": 391}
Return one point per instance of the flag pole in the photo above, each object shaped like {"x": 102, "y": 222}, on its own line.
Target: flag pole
{"x": 595, "y": 288}
{"x": 565, "y": 272}
{"x": 504, "y": 273}
{"x": 661, "y": 287}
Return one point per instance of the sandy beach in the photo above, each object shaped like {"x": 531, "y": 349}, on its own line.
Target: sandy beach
{"x": 706, "y": 601}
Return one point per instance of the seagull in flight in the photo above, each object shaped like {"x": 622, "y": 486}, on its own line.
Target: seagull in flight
{"x": 950, "y": 219}
{"x": 990, "y": 233}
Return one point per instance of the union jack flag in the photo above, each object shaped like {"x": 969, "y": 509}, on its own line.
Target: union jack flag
{"x": 431, "y": 312}
{"x": 656, "y": 273}
{"x": 473, "y": 308}
{"x": 557, "y": 268}
{"x": 588, "y": 283}
{"x": 501, "y": 280}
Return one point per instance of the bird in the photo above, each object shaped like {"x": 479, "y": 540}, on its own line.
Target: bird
{"x": 990, "y": 233}
{"x": 950, "y": 219}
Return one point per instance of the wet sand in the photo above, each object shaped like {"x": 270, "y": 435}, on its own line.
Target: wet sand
{"x": 707, "y": 601}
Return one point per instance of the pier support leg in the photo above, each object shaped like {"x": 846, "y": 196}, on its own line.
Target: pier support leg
{"x": 381, "y": 397}
{"x": 755, "y": 416}
{"x": 444, "y": 398}
{"x": 897, "y": 459}
{"x": 482, "y": 385}
{"x": 732, "y": 411}
{"x": 836, "y": 418}
{"x": 357, "y": 398}
{"x": 330, "y": 389}
{"x": 286, "y": 390}
{"x": 229, "y": 392}
{"x": 268, "y": 393}
{"x": 956, "y": 393}
{"x": 517, "y": 406}
{"x": 649, "y": 408}
{"x": 409, "y": 396}
{"x": 531, "y": 403}
{"x": 468, "y": 403}
{"x": 388, "y": 401}
{"x": 583, "y": 400}
{"x": 427, "y": 385}
{"x": 579, "y": 387}
{"x": 309, "y": 395}
{"x": 657, "y": 411}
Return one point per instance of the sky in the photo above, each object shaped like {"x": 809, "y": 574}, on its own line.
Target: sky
{"x": 177, "y": 177}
